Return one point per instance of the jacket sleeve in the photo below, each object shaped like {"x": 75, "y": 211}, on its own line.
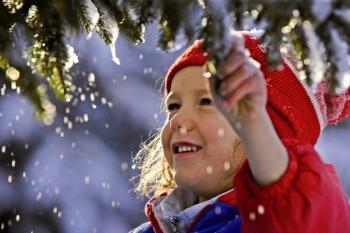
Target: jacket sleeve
{"x": 307, "y": 198}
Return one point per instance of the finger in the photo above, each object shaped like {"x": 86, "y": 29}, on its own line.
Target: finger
{"x": 238, "y": 45}
{"x": 237, "y": 42}
{"x": 246, "y": 88}
{"x": 254, "y": 62}
{"x": 235, "y": 79}
{"x": 234, "y": 61}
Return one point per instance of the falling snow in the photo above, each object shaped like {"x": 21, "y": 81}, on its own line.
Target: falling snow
{"x": 221, "y": 132}
{"x": 227, "y": 166}
{"x": 84, "y": 162}
{"x": 86, "y": 117}
{"x": 87, "y": 180}
{"x": 217, "y": 210}
{"x": 124, "y": 166}
{"x": 13, "y": 74}
{"x": 3, "y": 149}
{"x": 183, "y": 130}
{"x": 210, "y": 169}
{"x": 39, "y": 196}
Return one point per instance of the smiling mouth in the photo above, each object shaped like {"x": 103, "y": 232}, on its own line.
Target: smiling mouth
{"x": 179, "y": 150}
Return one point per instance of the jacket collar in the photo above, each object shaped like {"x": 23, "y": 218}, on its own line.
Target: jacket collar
{"x": 179, "y": 208}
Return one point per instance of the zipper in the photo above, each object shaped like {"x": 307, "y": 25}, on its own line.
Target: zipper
{"x": 175, "y": 223}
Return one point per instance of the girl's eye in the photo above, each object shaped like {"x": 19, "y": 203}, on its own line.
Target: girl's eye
{"x": 173, "y": 106}
{"x": 206, "y": 101}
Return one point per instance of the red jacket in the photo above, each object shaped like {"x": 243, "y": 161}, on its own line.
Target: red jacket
{"x": 308, "y": 198}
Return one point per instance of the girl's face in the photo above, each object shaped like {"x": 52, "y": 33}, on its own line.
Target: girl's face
{"x": 194, "y": 123}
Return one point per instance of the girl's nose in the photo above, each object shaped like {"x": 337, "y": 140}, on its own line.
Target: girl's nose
{"x": 181, "y": 122}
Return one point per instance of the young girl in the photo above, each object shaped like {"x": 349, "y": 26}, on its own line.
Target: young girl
{"x": 256, "y": 173}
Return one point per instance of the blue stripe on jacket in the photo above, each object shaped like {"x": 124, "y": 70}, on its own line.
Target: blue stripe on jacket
{"x": 219, "y": 218}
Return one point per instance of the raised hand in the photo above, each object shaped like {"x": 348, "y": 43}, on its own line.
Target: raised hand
{"x": 242, "y": 97}
{"x": 242, "y": 94}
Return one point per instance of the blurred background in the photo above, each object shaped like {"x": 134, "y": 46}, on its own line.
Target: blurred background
{"x": 73, "y": 176}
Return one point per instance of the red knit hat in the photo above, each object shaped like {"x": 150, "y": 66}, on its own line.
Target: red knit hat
{"x": 293, "y": 109}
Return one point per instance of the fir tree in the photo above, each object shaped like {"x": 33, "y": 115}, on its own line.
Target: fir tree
{"x": 318, "y": 31}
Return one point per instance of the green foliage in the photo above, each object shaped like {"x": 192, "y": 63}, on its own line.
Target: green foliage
{"x": 45, "y": 25}
{"x": 287, "y": 22}
{"x": 36, "y": 92}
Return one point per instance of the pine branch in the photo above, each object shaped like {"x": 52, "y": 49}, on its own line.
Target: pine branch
{"x": 7, "y": 22}
{"x": 124, "y": 18}
{"x": 216, "y": 33}
{"x": 85, "y": 10}
{"x": 144, "y": 11}
{"x": 169, "y": 23}
{"x": 27, "y": 84}
{"x": 298, "y": 39}
{"x": 48, "y": 54}
{"x": 45, "y": 23}
{"x": 106, "y": 26}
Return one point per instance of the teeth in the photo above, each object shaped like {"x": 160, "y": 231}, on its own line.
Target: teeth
{"x": 187, "y": 148}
